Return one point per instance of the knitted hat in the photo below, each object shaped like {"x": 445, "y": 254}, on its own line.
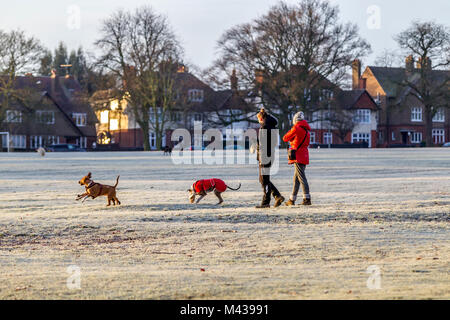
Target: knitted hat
{"x": 299, "y": 116}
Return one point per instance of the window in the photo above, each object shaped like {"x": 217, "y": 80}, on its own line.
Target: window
{"x": 152, "y": 140}
{"x": 35, "y": 142}
{"x": 327, "y": 138}
{"x": 15, "y": 141}
{"x": 195, "y": 95}
{"x": 13, "y": 116}
{"x": 416, "y": 114}
{"x": 360, "y": 137}
{"x": 104, "y": 116}
{"x": 438, "y": 136}
{"x": 114, "y": 124}
{"x": 307, "y": 94}
{"x": 312, "y": 139}
{"x": 198, "y": 117}
{"x": 362, "y": 116}
{"x": 79, "y": 119}
{"x": 393, "y": 136}
{"x": 416, "y": 137}
{"x": 45, "y": 117}
{"x": 52, "y": 140}
{"x": 439, "y": 116}
{"x": 82, "y": 142}
{"x": 380, "y": 137}
{"x": 42, "y": 141}
{"x": 175, "y": 116}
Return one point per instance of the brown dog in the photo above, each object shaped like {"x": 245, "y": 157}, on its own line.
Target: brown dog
{"x": 95, "y": 190}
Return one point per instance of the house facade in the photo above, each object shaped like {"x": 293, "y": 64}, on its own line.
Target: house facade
{"x": 196, "y": 103}
{"x": 55, "y": 114}
{"x": 401, "y": 121}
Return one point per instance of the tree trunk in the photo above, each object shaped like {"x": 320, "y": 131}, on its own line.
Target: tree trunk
{"x": 159, "y": 140}
{"x": 146, "y": 133}
{"x": 428, "y": 127}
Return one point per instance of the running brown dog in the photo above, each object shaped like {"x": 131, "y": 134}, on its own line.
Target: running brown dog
{"x": 94, "y": 190}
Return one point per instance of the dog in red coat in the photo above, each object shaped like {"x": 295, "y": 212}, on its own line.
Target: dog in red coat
{"x": 203, "y": 187}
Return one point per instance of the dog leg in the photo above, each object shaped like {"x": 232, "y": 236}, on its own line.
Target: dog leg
{"x": 218, "y": 195}
{"x": 201, "y": 197}
{"x": 80, "y": 196}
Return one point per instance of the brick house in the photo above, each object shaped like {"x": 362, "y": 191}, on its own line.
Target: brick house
{"x": 196, "y": 102}
{"x": 57, "y": 115}
{"x": 401, "y": 120}
{"x": 359, "y": 123}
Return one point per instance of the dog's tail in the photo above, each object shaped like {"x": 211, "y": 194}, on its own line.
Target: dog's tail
{"x": 236, "y": 188}
{"x": 117, "y": 181}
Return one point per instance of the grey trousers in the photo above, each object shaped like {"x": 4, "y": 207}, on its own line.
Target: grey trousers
{"x": 300, "y": 179}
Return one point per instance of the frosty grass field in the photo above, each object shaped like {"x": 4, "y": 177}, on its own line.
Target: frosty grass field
{"x": 385, "y": 208}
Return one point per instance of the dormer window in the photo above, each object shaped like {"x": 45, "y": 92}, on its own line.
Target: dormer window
{"x": 80, "y": 119}
{"x": 195, "y": 95}
{"x": 13, "y": 116}
{"x": 45, "y": 117}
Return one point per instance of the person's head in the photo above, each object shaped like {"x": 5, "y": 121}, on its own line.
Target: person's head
{"x": 262, "y": 115}
{"x": 299, "y": 116}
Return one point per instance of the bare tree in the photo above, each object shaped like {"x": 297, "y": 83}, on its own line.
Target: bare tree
{"x": 136, "y": 47}
{"x": 19, "y": 55}
{"x": 287, "y": 56}
{"x": 389, "y": 59}
{"x": 429, "y": 43}
{"x": 342, "y": 121}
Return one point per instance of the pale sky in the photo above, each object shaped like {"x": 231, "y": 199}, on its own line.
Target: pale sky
{"x": 200, "y": 23}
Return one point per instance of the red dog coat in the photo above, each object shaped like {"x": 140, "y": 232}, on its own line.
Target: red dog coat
{"x": 208, "y": 185}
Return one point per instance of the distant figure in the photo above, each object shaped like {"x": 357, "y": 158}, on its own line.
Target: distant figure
{"x": 94, "y": 145}
{"x": 41, "y": 151}
{"x": 167, "y": 150}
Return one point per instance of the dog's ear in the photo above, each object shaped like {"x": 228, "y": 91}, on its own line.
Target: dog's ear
{"x": 89, "y": 174}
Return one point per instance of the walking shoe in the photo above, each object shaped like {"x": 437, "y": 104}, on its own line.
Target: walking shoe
{"x": 290, "y": 203}
{"x": 278, "y": 201}
{"x": 263, "y": 206}
{"x": 306, "y": 202}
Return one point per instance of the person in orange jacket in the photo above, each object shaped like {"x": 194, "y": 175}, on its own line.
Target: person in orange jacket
{"x": 298, "y": 138}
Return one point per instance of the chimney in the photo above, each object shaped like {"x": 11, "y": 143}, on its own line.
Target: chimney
{"x": 356, "y": 73}
{"x": 234, "y": 81}
{"x": 53, "y": 82}
{"x": 362, "y": 83}
{"x": 409, "y": 64}
{"x": 259, "y": 77}
{"x": 424, "y": 65}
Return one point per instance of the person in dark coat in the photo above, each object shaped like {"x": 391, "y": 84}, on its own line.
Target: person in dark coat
{"x": 266, "y": 154}
{"x": 298, "y": 138}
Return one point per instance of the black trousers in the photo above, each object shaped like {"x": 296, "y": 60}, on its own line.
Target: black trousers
{"x": 268, "y": 187}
